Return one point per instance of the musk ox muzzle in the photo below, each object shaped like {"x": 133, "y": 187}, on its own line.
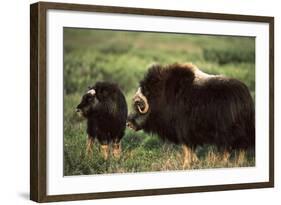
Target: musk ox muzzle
{"x": 132, "y": 122}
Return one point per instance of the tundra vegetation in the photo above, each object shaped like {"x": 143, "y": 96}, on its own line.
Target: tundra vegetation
{"x": 123, "y": 57}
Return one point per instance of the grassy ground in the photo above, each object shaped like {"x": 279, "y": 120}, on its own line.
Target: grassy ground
{"x": 123, "y": 57}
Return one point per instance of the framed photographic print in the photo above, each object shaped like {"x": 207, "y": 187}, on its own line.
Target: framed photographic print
{"x": 134, "y": 102}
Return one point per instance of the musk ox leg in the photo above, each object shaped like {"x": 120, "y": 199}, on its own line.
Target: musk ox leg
{"x": 89, "y": 146}
{"x": 241, "y": 157}
{"x": 225, "y": 156}
{"x": 117, "y": 150}
{"x": 105, "y": 151}
{"x": 188, "y": 156}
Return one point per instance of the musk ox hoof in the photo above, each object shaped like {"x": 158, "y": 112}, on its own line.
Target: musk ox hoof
{"x": 117, "y": 150}
{"x": 105, "y": 151}
{"x": 187, "y": 163}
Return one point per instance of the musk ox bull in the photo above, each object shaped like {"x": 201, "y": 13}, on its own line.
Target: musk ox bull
{"x": 186, "y": 106}
{"x": 105, "y": 108}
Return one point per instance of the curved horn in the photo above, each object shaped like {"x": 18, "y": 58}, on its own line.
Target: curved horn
{"x": 140, "y": 96}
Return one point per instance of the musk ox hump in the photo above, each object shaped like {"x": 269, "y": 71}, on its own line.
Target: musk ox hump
{"x": 199, "y": 76}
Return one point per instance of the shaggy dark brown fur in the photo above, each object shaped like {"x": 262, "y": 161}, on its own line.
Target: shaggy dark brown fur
{"x": 189, "y": 107}
{"x": 105, "y": 108}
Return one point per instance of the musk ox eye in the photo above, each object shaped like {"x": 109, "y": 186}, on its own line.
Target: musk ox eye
{"x": 90, "y": 98}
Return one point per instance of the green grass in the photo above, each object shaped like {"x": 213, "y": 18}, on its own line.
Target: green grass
{"x": 123, "y": 57}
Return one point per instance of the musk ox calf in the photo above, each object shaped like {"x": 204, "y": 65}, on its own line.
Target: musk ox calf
{"x": 105, "y": 108}
{"x": 186, "y": 106}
